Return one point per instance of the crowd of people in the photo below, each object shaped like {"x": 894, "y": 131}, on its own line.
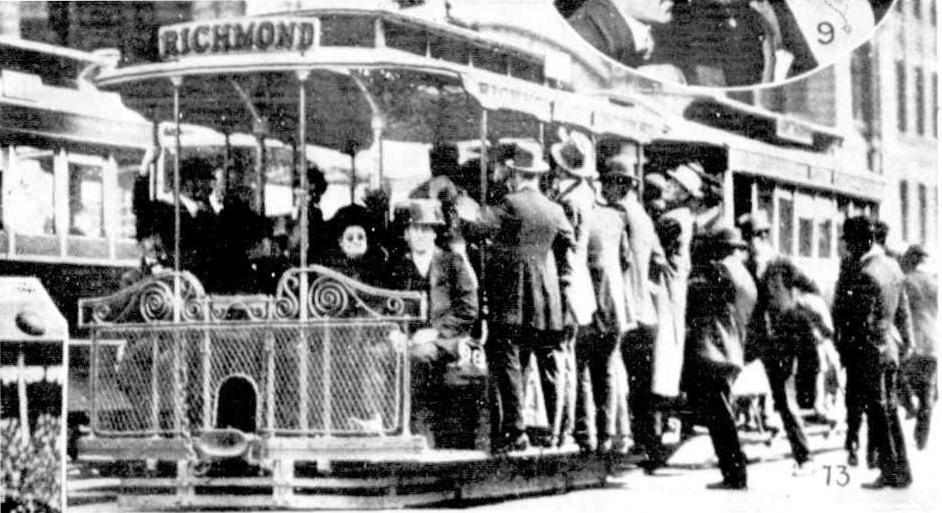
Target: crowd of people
{"x": 628, "y": 306}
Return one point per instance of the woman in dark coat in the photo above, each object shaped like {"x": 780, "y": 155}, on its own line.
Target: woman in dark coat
{"x": 355, "y": 251}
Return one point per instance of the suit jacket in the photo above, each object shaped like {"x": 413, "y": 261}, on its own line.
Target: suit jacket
{"x": 530, "y": 241}
{"x": 871, "y": 309}
{"x": 451, "y": 287}
{"x": 645, "y": 247}
{"x": 746, "y": 295}
{"x": 578, "y": 202}
{"x": 602, "y": 26}
{"x": 922, "y": 287}
{"x": 609, "y": 255}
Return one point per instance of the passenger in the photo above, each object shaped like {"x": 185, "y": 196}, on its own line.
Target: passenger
{"x": 453, "y": 310}
{"x": 317, "y": 239}
{"x": 574, "y": 159}
{"x": 794, "y": 322}
{"x": 244, "y": 246}
{"x": 872, "y": 301}
{"x": 526, "y": 269}
{"x": 713, "y": 357}
{"x": 444, "y": 187}
{"x": 620, "y": 188}
{"x": 675, "y": 231}
{"x": 921, "y": 369}
{"x": 155, "y": 220}
{"x": 355, "y": 254}
{"x": 653, "y": 199}
{"x": 609, "y": 256}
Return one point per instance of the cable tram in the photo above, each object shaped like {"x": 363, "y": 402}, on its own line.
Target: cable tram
{"x": 247, "y": 400}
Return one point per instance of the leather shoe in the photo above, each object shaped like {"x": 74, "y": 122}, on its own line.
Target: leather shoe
{"x": 724, "y": 485}
{"x": 884, "y": 482}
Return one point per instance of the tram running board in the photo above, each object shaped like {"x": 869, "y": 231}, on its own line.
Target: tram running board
{"x": 446, "y": 476}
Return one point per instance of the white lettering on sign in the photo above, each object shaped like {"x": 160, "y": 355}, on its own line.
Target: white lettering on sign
{"x": 243, "y": 36}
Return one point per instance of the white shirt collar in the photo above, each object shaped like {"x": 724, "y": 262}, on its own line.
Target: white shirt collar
{"x": 640, "y": 34}
{"x": 422, "y": 262}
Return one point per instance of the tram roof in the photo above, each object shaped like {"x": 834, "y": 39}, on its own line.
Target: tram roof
{"x": 55, "y": 64}
{"x": 269, "y": 79}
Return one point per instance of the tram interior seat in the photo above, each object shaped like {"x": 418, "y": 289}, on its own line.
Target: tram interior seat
{"x": 236, "y": 405}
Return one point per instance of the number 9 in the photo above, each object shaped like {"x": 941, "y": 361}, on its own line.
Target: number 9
{"x": 826, "y": 32}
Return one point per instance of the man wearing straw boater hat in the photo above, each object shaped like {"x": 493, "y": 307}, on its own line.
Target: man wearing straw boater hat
{"x": 620, "y": 183}
{"x": 574, "y": 157}
{"x": 453, "y": 308}
{"x": 527, "y": 267}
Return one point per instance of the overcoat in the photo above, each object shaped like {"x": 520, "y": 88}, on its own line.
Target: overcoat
{"x": 602, "y": 26}
{"x": 578, "y": 201}
{"x": 530, "y": 238}
{"x": 609, "y": 255}
{"x": 871, "y": 309}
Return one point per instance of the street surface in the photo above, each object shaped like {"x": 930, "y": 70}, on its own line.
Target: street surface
{"x": 832, "y": 487}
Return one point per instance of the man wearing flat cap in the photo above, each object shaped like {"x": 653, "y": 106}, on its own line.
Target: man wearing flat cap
{"x": 872, "y": 322}
{"x": 526, "y": 269}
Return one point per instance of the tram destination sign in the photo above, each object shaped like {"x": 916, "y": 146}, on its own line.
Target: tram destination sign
{"x": 220, "y": 37}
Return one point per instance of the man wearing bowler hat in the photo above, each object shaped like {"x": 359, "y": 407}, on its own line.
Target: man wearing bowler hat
{"x": 453, "y": 308}
{"x": 872, "y": 322}
{"x": 527, "y": 267}
{"x": 574, "y": 157}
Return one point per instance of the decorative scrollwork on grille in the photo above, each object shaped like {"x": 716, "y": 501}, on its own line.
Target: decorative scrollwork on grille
{"x": 149, "y": 301}
{"x": 328, "y": 298}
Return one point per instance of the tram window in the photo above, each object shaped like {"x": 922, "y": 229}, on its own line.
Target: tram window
{"x": 489, "y": 60}
{"x": 923, "y": 213}
{"x": 449, "y": 50}
{"x": 825, "y": 227}
{"x": 30, "y": 198}
{"x": 805, "y": 237}
{"x": 786, "y": 226}
{"x": 526, "y": 70}
{"x": 347, "y": 31}
{"x": 127, "y": 228}
{"x": 406, "y": 38}
{"x": 86, "y": 200}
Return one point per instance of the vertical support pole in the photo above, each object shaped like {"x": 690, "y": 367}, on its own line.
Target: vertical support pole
{"x": 303, "y": 344}
{"x": 154, "y": 385}
{"x": 21, "y": 393}
{"x": 639, "y": 153}
{"x": 353, "y": 177}
{"x": 93, "y": 380}
{"x": 377, "y": 179}
{"x": 178, "y": 399}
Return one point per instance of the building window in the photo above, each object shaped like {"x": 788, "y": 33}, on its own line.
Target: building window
{"x": 86, "y": 200}
{"x": 904, "y": 209}
{"x": 920, "y": 101}
{"x": 901, "y": 120}
{"x": 923, "y": 214}
{"x": 917, "y": 9}
{"x": 899, "y": 5}
{"x": 29, "y": 194}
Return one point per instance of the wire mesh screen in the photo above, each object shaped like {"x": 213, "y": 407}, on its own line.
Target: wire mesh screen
{"x": 323, "y": 378}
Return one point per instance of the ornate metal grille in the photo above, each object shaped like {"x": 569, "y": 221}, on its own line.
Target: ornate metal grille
{"x": 342, "y": 370}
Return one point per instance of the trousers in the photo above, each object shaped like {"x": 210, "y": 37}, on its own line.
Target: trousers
{"x": 637, "y": 352}
{"x": 595, "y": 367}
{"x": 508, "y": 350}
{"x": 880, "y": 402}
{"x": 780, "y": 370}
{"x": 710, "y": 398}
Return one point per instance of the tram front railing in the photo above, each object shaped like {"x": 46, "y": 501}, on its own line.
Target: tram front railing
{"x": 195, "y": 363}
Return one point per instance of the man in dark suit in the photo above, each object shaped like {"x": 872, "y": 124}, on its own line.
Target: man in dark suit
{"x": 527, "y": 267}
{"x": 872, "y": 320}
{"x": 621, "y": 29}
{"x": 453, "y": 309}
